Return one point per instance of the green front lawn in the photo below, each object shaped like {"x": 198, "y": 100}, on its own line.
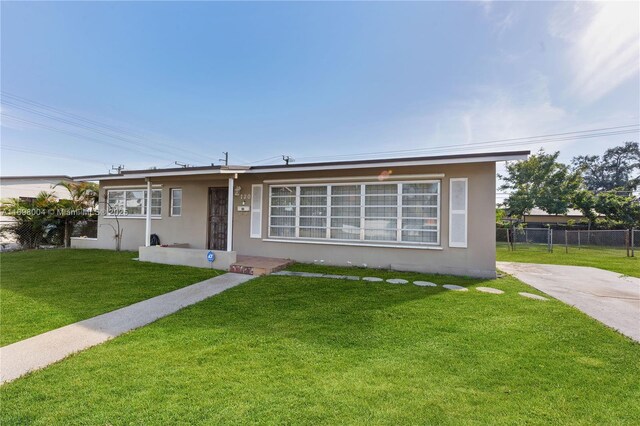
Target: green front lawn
{"x": 293, "y": 350}
{"x": 45, "y": 289}
{"x": 614, "y": 260}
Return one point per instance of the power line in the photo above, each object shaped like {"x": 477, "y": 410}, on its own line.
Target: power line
{"x": 48, "y": 154}
{"x": 556, "y": 137}
{"x": 84, "y": 137}
{"x": 87, "y": 127}
{"x": 99, "y": 124}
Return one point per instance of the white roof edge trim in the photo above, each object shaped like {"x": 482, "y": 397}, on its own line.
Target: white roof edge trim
{"x": 394, "y": 164}
{"x": 162, "y": 174}
{"x": 286, "y": 169}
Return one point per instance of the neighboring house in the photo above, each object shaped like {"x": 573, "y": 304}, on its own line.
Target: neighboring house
{"x": 537, "y": 215}
{"x": 28, "y": 188}
{"x": 429, "y": 214}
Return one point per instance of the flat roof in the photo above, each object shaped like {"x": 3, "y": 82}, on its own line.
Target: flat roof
{"x": 64, "y": 177}
{"x": 331, "y": 165}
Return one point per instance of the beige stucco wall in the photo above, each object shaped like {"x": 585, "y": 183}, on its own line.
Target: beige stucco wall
{"x": 478, "y": 259}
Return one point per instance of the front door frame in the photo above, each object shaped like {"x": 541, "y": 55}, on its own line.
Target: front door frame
{"x": 209, "y": 215}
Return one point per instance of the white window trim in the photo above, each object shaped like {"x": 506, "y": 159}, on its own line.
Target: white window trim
{"x": 334, "y": 242}
{"x": 126, "y": 189}
{"x": 258, "y": 210}
{"x": 361, "y": 241}
{"x": 171, "y": 206}
{"x": 465, "y": 211}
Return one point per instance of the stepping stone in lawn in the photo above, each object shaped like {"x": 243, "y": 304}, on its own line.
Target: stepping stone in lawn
{"x": 397, "y": 281}
{"x": 455, "y": 287}
{"x": 298, "y": 274}
{"x": 342, "y": 277}
{"x": 425, "y": 284}
{"x": 532, "y": 296}
{"x": 372, "y": 279}
{"x": 489, "y": 290}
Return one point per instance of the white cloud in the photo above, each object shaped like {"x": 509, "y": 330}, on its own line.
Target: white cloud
{"x": 604, "y": 44}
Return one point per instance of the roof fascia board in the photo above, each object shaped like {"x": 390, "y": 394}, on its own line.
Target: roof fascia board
{"x": 495, "y": 158}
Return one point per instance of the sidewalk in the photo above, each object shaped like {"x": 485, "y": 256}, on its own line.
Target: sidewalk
{"x": 34, "y": 353}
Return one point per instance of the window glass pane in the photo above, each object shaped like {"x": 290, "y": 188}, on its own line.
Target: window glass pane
{"x": 313, "y": 211}
{"x": 346, "y": 233}
{"x": 345, "y": 190}
{"x": 313, "y": 201}
{"x": 349, "y": 200}
{"x": 381, "y": 200}
{"x": 313, "y": 232}
{"x": 175, "y": 211}
{"x": 283, "y": 201}
{"x": 420, "y": 212}
{"x": 431, "y": 224}
{"x": 381, "y": 211}
{"x": 420, "y": 200}
{"x": 282, "y": 232}
{"x": 313, "y": 221}
{"x": 420, "y": 188}
{"x": 381, "y": 189}
{"x": 380, "y": 223}
{"x": 134, "y": 203}
{"x": 286, "y": 190}
{"x": 380, "y": 235}
{"x": 340, "y": 222}
{"x": 345, "y": 211}
{"x": 283, "y": 221}
{"x": 283, "y": 211}
{"x": 420, "y": 236}
{"x": 313, "y": 190}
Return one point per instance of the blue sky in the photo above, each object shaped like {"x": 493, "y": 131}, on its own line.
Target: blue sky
{"x": 186, "y": 81}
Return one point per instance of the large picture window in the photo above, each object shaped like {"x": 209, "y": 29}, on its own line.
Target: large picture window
{"x": 403, "y": 212}
{"x": 133, "y": 202}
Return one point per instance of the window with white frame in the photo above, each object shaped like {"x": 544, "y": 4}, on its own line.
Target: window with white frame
{"x": 402, "y": 212}
{"x": 133, "y": 202}
{"x": 176, "y": 201}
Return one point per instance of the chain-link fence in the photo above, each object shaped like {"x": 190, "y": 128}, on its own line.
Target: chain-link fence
{"x": 622, "y": 242}
{"x": 33, "y": 235}
{"x": 536, "y": 239}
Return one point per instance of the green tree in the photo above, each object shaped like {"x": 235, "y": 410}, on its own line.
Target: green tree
{"x": 614, "y": 170}
{"x": 619, "y": 208}
{"x": 585, "y": 201}
{"x": 83, "y": 203}
{"x": 540, "y": 181}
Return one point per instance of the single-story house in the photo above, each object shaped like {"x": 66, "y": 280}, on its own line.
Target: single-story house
{"x": 428, "y": 214}
{"x": 539, "y": 216}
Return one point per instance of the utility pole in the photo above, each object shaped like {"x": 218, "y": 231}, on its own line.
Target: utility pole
{"x": 118, "y": 169}
{"x": 226, "y": 158}
{"x": 287, "y": 159}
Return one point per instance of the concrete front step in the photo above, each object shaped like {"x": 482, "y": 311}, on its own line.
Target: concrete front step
{"x": 257, "y": 265}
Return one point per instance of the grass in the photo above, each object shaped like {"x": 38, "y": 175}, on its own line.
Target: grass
{"x": 609, "y": 259}
{"x": 45, "y": 289}
{"x": 293, "y": 350}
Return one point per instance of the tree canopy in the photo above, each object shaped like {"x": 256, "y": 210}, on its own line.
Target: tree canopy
{"x": 540, "y": 181}
{"x": 614, "y": 170}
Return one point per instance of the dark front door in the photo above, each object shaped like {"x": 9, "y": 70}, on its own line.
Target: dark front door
{"x": 218, "y": 201}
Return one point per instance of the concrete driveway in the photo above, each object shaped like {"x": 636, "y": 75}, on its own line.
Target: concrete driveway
{"x": 609, "y": 297}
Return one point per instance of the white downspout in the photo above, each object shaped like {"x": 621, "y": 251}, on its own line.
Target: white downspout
{"x": 147, "y": 233}
{"x": 230, "y": 216}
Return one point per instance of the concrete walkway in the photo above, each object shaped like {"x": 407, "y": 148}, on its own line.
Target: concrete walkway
{"x": 17, "y": 359}
{"x": 607, "y": 296}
